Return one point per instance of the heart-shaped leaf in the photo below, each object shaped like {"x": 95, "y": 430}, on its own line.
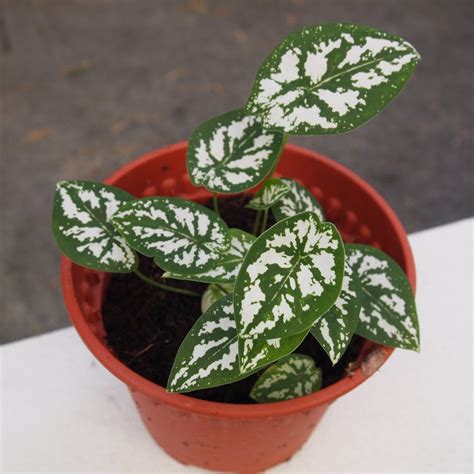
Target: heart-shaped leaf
{"x": 226, "y": 269}
{"x": 337, "y": 326}
{"x": 330, "y": 78}
{"x": 290, "y": 277}
{"x": 388, "y": 312}
{"x": 214, "y": 293}
{"x": 291, "y": 377}
{"x": 232, "y": 153}
{"x": 182, "y": 236}
{"x": 82, "y": 228}
{"x": 269, "y": 194}
{"x": 298, "y": 200}
{"x": 257, "y": 353}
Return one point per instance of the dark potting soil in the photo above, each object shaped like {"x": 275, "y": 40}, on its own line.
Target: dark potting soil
{"x": 145, "y": 325}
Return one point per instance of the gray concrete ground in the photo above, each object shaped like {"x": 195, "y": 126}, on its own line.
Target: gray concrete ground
{"x": 89, "y": 84}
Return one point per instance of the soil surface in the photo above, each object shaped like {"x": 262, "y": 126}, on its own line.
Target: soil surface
{"x": 145, "y": 325}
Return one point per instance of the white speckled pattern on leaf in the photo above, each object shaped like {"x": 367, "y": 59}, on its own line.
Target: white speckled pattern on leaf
{"x": 82, "y": 228}
{"x": 330, "y": 78}
{"x": 181, "y": 235}
{"x": 232, "y": 153}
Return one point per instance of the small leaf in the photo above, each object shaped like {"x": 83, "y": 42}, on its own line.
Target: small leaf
{"x": 208, "y": 356}
{"x": 290, "y": 277}
{"x": 214, "y": 293}
{"x": 335, "y": 329}
{"x": 330, "y": 78}
{"x": 82, "y": 228}
{"x": 299, "y": 199}
{"x": 291, "y": 377}
{"x": 226, "y": 269}
{"x": 388, "y": 312}
{"x": 257, "y": 353}
{"x": 269, "y": 194}
{"x": 182, "y": 236}
{"x": 232, "y": 153}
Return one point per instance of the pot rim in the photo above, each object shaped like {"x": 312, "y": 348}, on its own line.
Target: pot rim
{"x": 217, "y": 409}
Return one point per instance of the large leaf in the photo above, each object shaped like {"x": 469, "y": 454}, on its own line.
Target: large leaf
{"x": 337, "y": 326}
{"x": 269, "y": 194}
{"x": 290, "y": 277}
{"x": 388, "y": 312}
{"x": 330, "y": 78}
{"x": 181, "y": 235}
{"x": 82, "y": 228}
{"x": 291, "y": 377}
{"x": 226, "y": 269}
{"x": 232, "y": 153}
{"x": 208, "y": 356}
{"x": 213, "y": 293}
{"x": 258, "y": 352}
{"x": 299, "y": 199}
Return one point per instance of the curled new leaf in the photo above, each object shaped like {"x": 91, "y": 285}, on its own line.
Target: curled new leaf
{"x": 213, "y": 293}
{"x": 292, "y": 376}
{"x": 330, "y": 78}
{"x": 290, "y": 277}
{"x": 82, "y": 228}
{"x": 232, "y": 153}
{"x": 388, "y": 312}
{"x": 182, "y": 236}
{"x": 299, "y": 199}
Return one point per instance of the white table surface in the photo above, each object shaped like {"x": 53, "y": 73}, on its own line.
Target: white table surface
{"x": 63, "y": 412}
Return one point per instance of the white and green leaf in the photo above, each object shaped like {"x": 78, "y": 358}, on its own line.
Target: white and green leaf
{"x": 291, "y": 377}
{"x": 257, "y": 353}
{"x": 214, "y": 293}
{"x": 232, "y": 152}
{"x": 269, "y": 194}
{"x": 298, "y": 200}
{"x": 290, "y": 277}
{"x": 82, "y": 228}
{"x": 388, "y": 312}
{"x": 208, "y": 356}
{"x": 330, "y": 78}
{"x": 227, "y": 267}
{"x": 335, "y": 329}
{"x": 182, "y": 236}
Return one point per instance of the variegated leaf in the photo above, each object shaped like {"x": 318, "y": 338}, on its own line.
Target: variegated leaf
{"x": 291, "y": 377}
{"x": 226, "y": 269}
{"x": 258, "y": 352}
{"x": 181, "y": 235}
{"x": 335, "y": 329}
{"x": 330, "y": 78}
{"x": 232, "y": 153}
{"x": 388, "y": 312}
{"x": 299, "y": 199}
{"x": 208, "y": 356}
{"x": 290, "y": 277}
{"x": 214, "y": 293}
{"x": 269, "y": 194}
{"x": 82, "y": 228}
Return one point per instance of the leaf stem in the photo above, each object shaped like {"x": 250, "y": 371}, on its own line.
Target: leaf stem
{"x": 215, "y": 203}
{"x": 256, "y": 224}
{"x": 265, "y": 219}
{"x": 162, "y": 286}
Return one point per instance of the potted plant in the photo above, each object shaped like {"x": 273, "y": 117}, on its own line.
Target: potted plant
{"x": 301, "y": 300}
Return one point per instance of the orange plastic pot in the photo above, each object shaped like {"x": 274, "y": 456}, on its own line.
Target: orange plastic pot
{"x": 220, "y": 436}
